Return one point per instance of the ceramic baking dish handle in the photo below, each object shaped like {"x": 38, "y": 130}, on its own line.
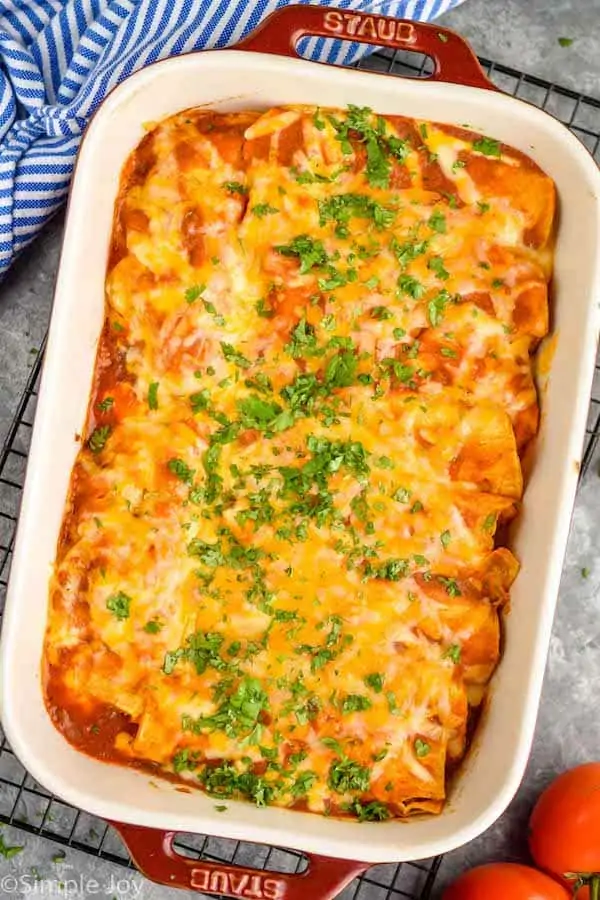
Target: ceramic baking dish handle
{"x": 453, "y": 59}
{"x": 153, "y": 853}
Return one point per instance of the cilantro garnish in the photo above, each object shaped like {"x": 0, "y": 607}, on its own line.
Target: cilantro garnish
{"x": 310, "y": 252}
{"x": 238, "y": 713}
{"x": 437, "y": 222}
{"x": 452, "y": 588}
{"x": 98, "y": 438}
{"x": 410, "y": 286}
{"x": 381, "y": 146}
{"x": 408, "y": 250}
{"x": 303, "y": 341}
{"x": 436, "y": 264}
{"x": 233, "y": 356}
{"x": 179, "y": 468}
{"x": 119, "y": 604}
{"x": 489, "y": 523}
{"x": 153, "y": 395}
{"x": 375, "y": 681}
{"x": 264, "y": 209}
{"x": 437, "y": 306}
{"x": 201, "y": 650}
{"x": 488, "y": 146}
{"x": 453, "y": 653}
{"x": 373, "y": 811}
{"x": 346, "y": 775}
{"x": 264, "y": 416}
{"x": 235, "y": 187}
{"x": 352, "y": 703}
{"x": 193, "y": 292}
{"x": 342, "y": 207}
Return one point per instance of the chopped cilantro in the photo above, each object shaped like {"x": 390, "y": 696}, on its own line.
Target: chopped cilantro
{"x": 488, "y": 146}
{"x": 153, "y": 395}
{"x": 310, "y": 252}
{"x": 341, "y": 369}
{"x": 391, "y": 570}
{"x": 264, "y": 416}
{"x": 318, "y": 122}
{"x": 235, "y": 187}
{"x": 303, "y": 341}
{"x": 381, "y": 146}
{"x": 119, "y": 605}
{"x": 202, "y": 650}
{"x": 184, "y": 760}
{"x": 106, "y": 404}
{"x": 483, "y": 207}
{"x": 585, "y": 572}
{"x": 8, "y": 852}
{"x": 374, "y": 680}
{"x": 436, "y": 264}
{"x": 498, "y": 283}
{"x": 445, "y": 538}
{"x": 410, "y": 286}
{"x": 181, "y": 470}
{"x": 238, "y": 713}
{"x": 264, "y": 209}
{"x": 263, "y": 309}
{"x": 458, "y": 164}
{"x": 98, "y": 438}
{"x": 565, "y": 41}
{"x": 233, "y": 356}
{"x": 373, "y": 811}
{"x": 453, "y": 653}
{"x": 452, "y": 588}
{"x": 437, "y": 306}
{"x": 489, "y": 523}
{"x": 354, "y": 703}
{"x": 342, "y": 207}
{"x": 422, "y": 748}
{"x": 193, "y": 292}
{"x": 346, "y": 775}
{"x": 303, "y": 784}
{"x": 408, "y": 250}
{"x": 437, "y": 222}
{"x": 381, "y": 313}
{"x": 153, "y": 626}
{"x": 307, "y": 177}
{"x": 200, "y": 400}
{"x": 225, "y": 781}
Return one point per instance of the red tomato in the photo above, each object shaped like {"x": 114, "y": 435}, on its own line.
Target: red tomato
{"x": 505, "y": 881}
{"x": 564, "y": 829}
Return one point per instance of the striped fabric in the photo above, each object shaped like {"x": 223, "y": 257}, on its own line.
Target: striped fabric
{"x": 59, "y": 58}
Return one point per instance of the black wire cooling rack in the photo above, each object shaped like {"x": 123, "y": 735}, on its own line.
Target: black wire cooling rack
{"x": 24, "y": 804}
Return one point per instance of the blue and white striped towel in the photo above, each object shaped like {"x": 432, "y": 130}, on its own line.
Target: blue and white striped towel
{"x": 59, "y": 58}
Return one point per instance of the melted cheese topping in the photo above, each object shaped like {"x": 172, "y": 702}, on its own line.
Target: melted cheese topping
{"x": 278, "y": 576}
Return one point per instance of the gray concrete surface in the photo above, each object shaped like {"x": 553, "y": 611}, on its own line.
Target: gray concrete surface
{"x": 519, "y": 33}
